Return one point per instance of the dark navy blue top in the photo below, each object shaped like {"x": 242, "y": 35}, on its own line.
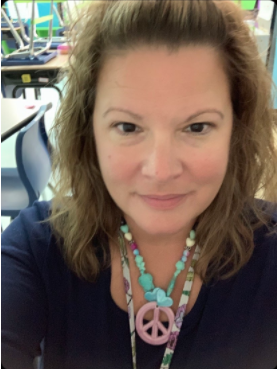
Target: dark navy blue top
{"x": 233, "y": 324}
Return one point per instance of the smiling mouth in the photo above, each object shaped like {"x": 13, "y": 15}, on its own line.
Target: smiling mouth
{"x": 163, "y": 202}
{"x": 163, "y": 197}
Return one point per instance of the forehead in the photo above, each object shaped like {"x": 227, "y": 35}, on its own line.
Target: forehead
{"x": 156, "y": 77}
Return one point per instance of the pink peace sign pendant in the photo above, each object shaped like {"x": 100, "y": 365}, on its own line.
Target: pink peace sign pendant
{"x": 155, "y": 324}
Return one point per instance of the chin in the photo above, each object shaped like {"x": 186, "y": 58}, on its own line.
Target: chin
{"x": 158, "y": 226}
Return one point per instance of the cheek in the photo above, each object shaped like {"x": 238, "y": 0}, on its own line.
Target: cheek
{"x": 116, "y": 167}
{"x": 210, "y": 168}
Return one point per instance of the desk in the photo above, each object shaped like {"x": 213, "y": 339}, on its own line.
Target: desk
{"x": 60, "y": 61}
{"x": 15, "y": 115}
{"x": 8, "y": 29}
{"x": 39, "y": 76}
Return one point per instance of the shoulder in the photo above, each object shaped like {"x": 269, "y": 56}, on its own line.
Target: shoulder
{"x": 29, "y": 221}
{"x": 265, "y": 240}
{"x": 265, "y": 232}
{"x": 26, "y": 236}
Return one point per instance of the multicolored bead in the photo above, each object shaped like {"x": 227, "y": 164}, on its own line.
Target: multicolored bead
{"x": 145, "y": 279}
{"x": 133, "y": 246}
{"x": 124, "y": 228}
{"x": 128, "y": 236}
{"x": 192, "y": 234}
{"x": 180, "y": 265}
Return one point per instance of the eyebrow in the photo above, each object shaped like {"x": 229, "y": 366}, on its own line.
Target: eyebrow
{"x": 139, "y": 117}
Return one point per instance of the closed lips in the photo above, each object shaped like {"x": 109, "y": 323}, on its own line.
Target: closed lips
{"x": 165, "y": 197}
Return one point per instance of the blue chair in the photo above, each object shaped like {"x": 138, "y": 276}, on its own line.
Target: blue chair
{"x": 23, "y": 185}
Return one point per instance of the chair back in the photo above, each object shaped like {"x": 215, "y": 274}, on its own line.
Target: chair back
{"x": 45, "y": 137}
{"x": 33, "y": 158}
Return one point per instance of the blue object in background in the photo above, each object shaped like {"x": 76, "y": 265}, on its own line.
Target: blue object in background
{"x": 44, "y": 9}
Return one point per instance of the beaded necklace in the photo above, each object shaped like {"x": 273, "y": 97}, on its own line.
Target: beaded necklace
{"x": 159, "y": 300}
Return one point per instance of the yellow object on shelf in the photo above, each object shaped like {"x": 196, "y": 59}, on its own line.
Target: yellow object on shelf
{"x": 26, "y": 78}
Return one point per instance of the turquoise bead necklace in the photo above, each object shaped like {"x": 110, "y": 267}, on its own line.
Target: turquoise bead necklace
{"x": 153, "y": 293}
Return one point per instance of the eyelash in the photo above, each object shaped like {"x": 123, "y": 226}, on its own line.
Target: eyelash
{"x": 193, "y": 133}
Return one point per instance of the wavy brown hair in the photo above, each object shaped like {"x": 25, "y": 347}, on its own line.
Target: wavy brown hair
{"x": 83, "y": 215}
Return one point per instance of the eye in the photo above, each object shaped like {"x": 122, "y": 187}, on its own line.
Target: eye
{"x": 198, "y": 128}
{"x": 126, "y": 128}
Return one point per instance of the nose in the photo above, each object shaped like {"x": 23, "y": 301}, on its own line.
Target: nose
{"x": 162, "y": 160}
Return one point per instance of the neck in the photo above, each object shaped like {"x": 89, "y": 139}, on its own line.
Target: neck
{"x": 160, "y": 249}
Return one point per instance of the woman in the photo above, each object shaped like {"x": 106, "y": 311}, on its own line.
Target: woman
{"x": 157, "y": 253}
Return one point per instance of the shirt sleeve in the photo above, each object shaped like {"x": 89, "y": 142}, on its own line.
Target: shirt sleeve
{"x": 24, "y": 303}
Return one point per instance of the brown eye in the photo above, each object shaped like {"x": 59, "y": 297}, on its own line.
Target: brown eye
{"x": 199, "y": 128}
{"x": 126, "y": 128}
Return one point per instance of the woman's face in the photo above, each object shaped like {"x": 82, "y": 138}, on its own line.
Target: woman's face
{"x": 162, "y": 125}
